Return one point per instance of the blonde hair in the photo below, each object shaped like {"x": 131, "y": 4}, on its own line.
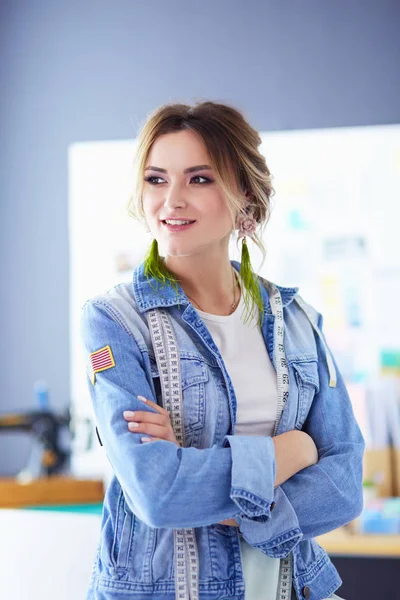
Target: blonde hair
{"x": 233, "y": 147}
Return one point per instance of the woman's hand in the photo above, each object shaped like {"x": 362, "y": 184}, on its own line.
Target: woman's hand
{"x": 157, "y": 425}
{"x": 231, "y": 522}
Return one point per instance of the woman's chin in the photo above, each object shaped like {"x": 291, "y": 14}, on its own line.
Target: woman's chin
{"x": 175, "y": 247}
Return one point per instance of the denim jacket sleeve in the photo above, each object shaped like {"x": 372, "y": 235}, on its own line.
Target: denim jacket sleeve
{"x": 166, "y": 485}
{"x": 326, "y": 495}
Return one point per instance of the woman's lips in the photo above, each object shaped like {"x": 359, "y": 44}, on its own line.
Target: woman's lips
{"x": 176, "y": 228}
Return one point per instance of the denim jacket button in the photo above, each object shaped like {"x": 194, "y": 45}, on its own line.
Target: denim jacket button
{"x": 306, "y": 592}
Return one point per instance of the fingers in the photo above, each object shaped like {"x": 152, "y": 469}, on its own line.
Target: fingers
{"x": 153, "y": 404}
{"x": 144, "y": 416}
{"x": 149, "y": 429}
{"x": 158, "y": 425}
{"x": 129, "y": 413}
{"x": 230, "y": 522}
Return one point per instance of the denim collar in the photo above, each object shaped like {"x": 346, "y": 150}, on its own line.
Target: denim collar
{"x": 149, "y": 293}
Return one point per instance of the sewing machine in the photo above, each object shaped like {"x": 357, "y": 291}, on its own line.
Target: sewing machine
{"x": 47, "y": 456}
{"x": 46, "y": 478}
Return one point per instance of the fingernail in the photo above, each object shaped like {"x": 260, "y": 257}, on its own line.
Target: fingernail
{"x": 129, "y": 413}
{"x": 133, "y": 425}
{"x": 142, "y": 398}
{"x": 145, "y": 439}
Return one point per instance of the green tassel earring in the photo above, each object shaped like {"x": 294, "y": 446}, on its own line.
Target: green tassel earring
{"x": 154, "y": 267}
{"x": 251, "y": 284}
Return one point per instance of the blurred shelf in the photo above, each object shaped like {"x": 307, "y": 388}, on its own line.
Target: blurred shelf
{"x": 342, "y": 542}
{"x": 49, "y": 490}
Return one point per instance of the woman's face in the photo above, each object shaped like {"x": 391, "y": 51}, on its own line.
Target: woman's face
{"x": 169, "y": 192}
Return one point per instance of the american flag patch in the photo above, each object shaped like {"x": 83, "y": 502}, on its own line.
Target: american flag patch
{"x": 100, "y": 361}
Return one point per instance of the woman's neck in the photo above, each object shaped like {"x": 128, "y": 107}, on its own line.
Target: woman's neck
{"x": 211, "y": 287}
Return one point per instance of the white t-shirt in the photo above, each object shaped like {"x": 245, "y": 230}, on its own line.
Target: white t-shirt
{"x": 254, "y": 380}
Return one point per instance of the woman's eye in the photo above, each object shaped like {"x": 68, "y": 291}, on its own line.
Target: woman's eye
{"x": 201, "y": 177}
{"x": 151, "y": 179}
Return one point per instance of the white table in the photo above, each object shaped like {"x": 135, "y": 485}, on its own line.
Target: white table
{"x": 46, "y": 555}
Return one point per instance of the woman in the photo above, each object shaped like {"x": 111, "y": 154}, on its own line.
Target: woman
{"x": 225, "y": 501}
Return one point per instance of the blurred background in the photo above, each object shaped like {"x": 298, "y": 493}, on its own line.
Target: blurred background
{"x": 320, "y": 82}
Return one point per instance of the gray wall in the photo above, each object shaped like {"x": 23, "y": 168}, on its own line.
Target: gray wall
{"x": 73, "y": 71}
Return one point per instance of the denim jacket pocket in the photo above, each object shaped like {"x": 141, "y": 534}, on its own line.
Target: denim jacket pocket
{"x": 194, "y": 375}
{"x": 307, "y": 381}
{"x": 123, "y": 535}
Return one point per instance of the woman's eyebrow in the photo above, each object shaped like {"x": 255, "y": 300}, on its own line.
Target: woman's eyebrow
{"x": 188, "y": 170}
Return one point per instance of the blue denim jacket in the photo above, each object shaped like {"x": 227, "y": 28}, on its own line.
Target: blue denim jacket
{"x": 159, "y": 486}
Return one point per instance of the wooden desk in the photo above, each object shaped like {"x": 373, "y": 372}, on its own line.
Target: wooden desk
{"x": 343, "y": 543}
{"x": 50, "y": 490}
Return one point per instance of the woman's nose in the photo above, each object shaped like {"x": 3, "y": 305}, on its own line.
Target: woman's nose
{"x": 174, "y": 197}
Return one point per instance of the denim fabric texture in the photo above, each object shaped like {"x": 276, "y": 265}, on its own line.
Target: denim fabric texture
{"x": 216, "y": 475}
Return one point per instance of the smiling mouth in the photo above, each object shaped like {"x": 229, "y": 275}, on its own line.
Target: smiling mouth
{"x": 180, "y": 227}
{"x": 188, "y": 220}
